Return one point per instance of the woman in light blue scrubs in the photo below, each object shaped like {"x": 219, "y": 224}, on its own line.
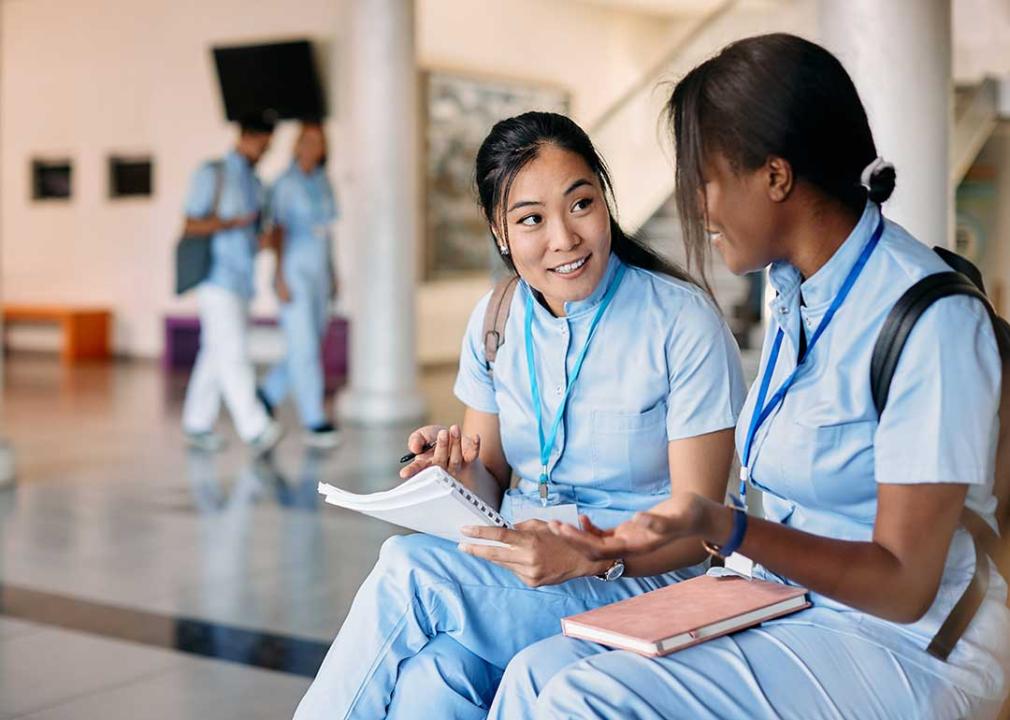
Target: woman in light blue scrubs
{"x": 862, "y": 510}
{"x": 302, "y": 209}
{"x": 617, "y": 381}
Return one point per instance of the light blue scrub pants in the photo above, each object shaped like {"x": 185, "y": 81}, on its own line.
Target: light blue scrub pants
{"x": 304, "y": 320}
{"x": 431, "y": 629}
{"x": 797, "y": 667}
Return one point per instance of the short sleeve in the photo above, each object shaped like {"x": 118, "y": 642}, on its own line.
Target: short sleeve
{"x": 474, "y": 386}
{"x": 200, "y": 198}
{"x": 706, "y": 380}
{"x": 940, "y": 422}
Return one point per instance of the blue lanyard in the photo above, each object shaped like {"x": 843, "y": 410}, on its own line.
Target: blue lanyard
{"x": 547, "y": 443}
{"x": 761, "y": 410}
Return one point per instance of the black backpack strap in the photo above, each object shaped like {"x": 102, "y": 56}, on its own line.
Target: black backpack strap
{"x": 495, "y": 317}
{"x": 900, "y": 322}
{"x": 218, "y": 166}
{"x": 966, "y": 606}
{"x": 886, "y": 353}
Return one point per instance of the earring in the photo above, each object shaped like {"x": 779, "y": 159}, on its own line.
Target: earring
{"x": 503, "y": 249}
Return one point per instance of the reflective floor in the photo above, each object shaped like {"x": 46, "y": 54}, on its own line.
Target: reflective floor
{"x": 139, "y": 579}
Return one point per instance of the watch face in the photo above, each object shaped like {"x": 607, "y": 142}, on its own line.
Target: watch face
{"x": 615, "y": 571}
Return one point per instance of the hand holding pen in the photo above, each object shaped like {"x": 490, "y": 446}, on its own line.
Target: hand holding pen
{"x": 437, "y": 445}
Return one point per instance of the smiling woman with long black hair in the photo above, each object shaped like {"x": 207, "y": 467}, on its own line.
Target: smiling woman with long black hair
{"x": 617, "y": 381}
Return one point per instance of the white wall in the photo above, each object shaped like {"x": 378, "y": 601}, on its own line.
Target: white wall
{"x": 594, "y": 52}
{"x": 88, "y": 78}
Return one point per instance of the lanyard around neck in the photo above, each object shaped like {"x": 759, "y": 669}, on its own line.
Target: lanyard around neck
{"x": 547, "y": 441}
{"x": 761, "y": 410}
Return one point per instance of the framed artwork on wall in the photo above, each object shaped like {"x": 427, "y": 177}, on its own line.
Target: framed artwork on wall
{"x": 459, "y": 111}
{"x": 51, "y": 179}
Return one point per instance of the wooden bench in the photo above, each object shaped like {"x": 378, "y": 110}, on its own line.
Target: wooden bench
{"x": 86, "y": 331}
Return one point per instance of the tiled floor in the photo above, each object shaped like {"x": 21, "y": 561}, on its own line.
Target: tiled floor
{"x": 113, "y": 525}
{"x": 53, "y": 673}
{"x": 109, "y": 509}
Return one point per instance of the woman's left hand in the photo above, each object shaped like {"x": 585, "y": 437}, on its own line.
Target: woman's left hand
{"x": 536, "y": 554}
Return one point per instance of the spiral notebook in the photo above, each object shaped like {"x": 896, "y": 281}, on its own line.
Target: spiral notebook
{"x": 431, "y": 502}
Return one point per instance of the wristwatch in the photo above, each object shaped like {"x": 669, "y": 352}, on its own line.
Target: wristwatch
{"x": 613, "y": 572}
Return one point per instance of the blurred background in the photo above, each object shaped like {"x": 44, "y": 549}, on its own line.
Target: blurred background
{"x": 142, "y": 578}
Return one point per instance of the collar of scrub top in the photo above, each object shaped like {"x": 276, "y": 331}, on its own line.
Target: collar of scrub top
{"x": 575, "y": 308}
{"x": 296, "y": 168}
{"x": 598, "y": 301}
{"x": 827, "y": 282}
{"x": 821, "y": 288}
{"x": 238, "y": 161}
{"x": 313, "y": 185}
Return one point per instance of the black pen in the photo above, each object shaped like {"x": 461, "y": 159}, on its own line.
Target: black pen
{"x": 410, "y": 456}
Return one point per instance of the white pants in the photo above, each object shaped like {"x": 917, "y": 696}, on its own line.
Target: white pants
{"x": 223, "y": 368}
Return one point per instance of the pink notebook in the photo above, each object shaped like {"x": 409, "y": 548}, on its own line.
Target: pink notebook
{"x": 685, "y": 614}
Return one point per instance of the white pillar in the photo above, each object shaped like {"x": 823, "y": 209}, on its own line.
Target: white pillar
{"x": 384, "y": 203}
{"x": 997, "y": 275}
{"x": 6, "y": 452}
{"x": 899, "y": 55}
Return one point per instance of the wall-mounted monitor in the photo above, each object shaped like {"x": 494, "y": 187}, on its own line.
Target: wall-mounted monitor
{"x": 51, "y": 179}
{"x": 129, "y": 177}
{"x": 278, "y": 77}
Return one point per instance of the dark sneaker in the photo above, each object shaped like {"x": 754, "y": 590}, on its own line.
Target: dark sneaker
{"x": 208, "y": 441}
{"x": 323, "y": 436}
{"x": 267, "y": 405}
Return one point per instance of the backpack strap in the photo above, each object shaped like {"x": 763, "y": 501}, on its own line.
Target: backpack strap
{"x": 886, "y": 353}
{"x": 967, "y": 605}
{"x": 902, "y": 319}
{"x": 495, "y": 317}
{"x": 218, "y": 166}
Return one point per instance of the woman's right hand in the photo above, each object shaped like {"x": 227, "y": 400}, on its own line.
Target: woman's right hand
{"x": 450, "y": 450}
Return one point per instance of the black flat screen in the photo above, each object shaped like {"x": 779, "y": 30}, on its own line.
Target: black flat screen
{"x": 280, "y": 77}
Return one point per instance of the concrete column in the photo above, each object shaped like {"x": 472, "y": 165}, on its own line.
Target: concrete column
{"x": 6, "y": 452}
{"x": 384, "y": 198}
{"x": 998, "y": 274}
{"x": 899, "y": 55}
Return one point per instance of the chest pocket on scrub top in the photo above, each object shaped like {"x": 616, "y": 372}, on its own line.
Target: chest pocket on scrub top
{"x": 629, "y": 450}
{"x": 829, "y": 465}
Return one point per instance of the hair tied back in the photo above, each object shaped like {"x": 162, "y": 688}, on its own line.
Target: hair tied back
{"x": 878, "y": 179}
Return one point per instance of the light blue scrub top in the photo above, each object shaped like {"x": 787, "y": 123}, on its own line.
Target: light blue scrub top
{"x": 304, "y": 206}
{"x": 662, "y": 366}
{"x": 819, "y": 456}
{"x": 232, "y": 251}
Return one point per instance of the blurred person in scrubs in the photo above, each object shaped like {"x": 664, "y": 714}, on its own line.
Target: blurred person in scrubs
{"x": 302, "y": 209}
{"x": 224, "y": 201}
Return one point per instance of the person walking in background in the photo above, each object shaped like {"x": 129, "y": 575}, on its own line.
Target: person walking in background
{"x": 302, "y": 209}
{"x": 225, "y": 199}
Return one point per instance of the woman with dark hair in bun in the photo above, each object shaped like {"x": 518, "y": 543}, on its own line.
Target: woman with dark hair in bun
{"x": 617, "y": 382}
{"x": 777, "y": 165}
